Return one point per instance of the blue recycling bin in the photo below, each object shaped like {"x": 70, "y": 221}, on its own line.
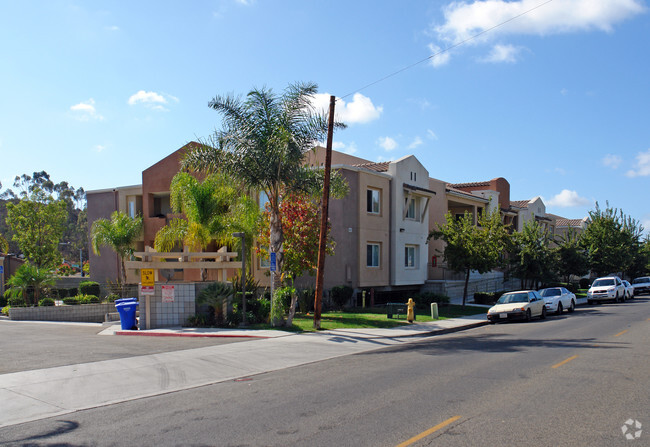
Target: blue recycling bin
{"x": 126, "y": 300}
{"x": 127, "y": 311}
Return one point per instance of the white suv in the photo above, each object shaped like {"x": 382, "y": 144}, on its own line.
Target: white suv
{"x": 606, "y": 289}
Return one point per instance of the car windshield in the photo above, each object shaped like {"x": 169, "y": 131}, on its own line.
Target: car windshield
{"x": 513, "y": 298}
{"x": 603, "y": 282}
{"x": 550, "y": 292}
{"x": 641, "y": 280}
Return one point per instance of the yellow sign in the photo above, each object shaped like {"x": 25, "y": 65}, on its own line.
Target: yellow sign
{"x": 147, "y": 277}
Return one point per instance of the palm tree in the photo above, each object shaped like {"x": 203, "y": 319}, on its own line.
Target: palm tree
{"x": 29, "y": 277}
{"x": 119, "y": 233}
{"x": 213, "y": 209}
{"x": 263, "y": 143}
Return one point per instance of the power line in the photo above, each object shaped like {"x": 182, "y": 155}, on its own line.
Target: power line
{"x": 446, "y": 49}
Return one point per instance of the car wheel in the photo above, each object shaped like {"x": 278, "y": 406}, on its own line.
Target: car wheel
{"x": 543, "y": 316}
{"x": 559, "y": 308}
{"x": 572, "y": 307}
{"x": 528, "y": 315}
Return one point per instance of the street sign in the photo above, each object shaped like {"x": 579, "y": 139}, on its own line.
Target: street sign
{"x": 274, "y": 265}
{"x": 2, "y": 269}
{"x": 146, "y": 290}
{"x": 167, "y": 294}
{"x": 147, "y": 277}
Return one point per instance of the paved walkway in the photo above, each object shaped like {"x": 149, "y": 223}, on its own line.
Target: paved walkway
{"x": 37, "y": 394}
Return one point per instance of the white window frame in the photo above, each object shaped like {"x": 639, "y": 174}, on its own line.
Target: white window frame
{"x": 411, "y": 254}
{"x": 412, "y": 205}
{"x": 376, "y": 255}
{"x": 370, "y": 204}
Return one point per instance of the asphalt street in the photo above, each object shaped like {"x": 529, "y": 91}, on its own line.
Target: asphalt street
{"x": 34, "y": 345}
{"x": 573, "y": 380}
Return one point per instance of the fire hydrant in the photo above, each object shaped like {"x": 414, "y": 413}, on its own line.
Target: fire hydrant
{"x": 410, "y": 313}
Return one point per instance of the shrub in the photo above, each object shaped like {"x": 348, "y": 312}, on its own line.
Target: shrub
{"x": 73, "y": 291}
{"x": 16, "y": 301}
{"x": 197, "y": 321}
{"x": 65, "y": 270}
{"x": 425, "y": 299}
{"x": 341, "y": 295}
{"x": 70, "y": 301}
{"x": 215, "y": 295}
{"x": 486, "y": 298}
{"x": 283, "y": 297}
{"x": 5, "y": 310}
{"x": 3, "y": 301}
{"x": 87, "y": 299}
{"x": 46, "y": 302}
{"x": 89, "y": 288}
{"x": 584, "y": 283}
{"x": 111, "y": 297}
{"x": 306, "y": 299}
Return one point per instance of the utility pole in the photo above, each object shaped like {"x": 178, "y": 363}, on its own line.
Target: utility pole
{"x": 323, "y": 217}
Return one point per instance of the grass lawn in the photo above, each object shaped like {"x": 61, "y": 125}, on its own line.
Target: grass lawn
{"x": 371, "y": 318}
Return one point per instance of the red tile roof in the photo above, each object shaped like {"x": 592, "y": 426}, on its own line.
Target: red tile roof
{"x": 468, "y": 185}
{"x": 377, "y": 167}
{"x": 519, "y": 203}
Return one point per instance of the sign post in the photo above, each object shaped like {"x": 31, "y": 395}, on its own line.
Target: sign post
{"x": 147, "y": 283}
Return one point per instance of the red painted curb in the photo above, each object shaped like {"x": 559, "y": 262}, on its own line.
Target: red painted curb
{"x": 175, "y": 334}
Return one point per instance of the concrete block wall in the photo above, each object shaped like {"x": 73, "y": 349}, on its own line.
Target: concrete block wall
{"x": 87, "y": 313}
{"x": 163, "y": 314}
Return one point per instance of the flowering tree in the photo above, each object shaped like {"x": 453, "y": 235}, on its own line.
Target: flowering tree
{"x": 301, "y": 223}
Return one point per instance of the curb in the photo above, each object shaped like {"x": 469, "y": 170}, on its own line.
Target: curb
{"x": 178, "y": 334}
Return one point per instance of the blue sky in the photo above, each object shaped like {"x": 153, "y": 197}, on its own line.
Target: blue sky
{"x": 556, "y": 100}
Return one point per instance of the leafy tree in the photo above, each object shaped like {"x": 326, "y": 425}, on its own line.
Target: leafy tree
{"x": 301, "y": 225}
{"x": 470, "y": 247}
{"x": 612, "y": 240}
{"x": 532, "y": 260}
{"x": 119, "y": 233}
{"x": 37, "y": 222}
{"x": 4, "y": 245}
{"x": 29, "y": 278}
{"x": 75, "y": 233}
{"x": 213, "y": 209}
{"x": 571, "y": 257}
{"x": 262, "y": 144}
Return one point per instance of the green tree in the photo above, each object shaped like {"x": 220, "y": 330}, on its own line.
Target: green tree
{"x": 28, "y": 281}
{"x": 119, "y": 233}
{"x": 213, "y": 209}
{"x": 571, "y": 257}
{"x": 37, "y": 222}
{"x": 612, "y": 240}
{"x": 4, "y": 245}
{"x": 263, "y": 143}
{"x": 532, "y": 260}
{"x": 470, "y": 247}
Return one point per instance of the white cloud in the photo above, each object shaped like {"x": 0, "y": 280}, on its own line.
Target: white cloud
{"x": 502, "y": 53}
{"x": 152, "y": 100}
{"x": 431, "y": 134}
{"x": 85, "y": 111}
{"x": 464, "y": 20}
{"x": 642, "y": 168}
{"x": 360, "y": 110}
{"x": 612, "y": 161}
{"x": 567, "y": 199}
{"x": 112, "y": 28}
{"x": 387, "y": 143}
{"x": 99, "y": 148}
{"x": 438, "y": 58}
{"x": 417, "y": 141}
{"x": 350, "y": 148}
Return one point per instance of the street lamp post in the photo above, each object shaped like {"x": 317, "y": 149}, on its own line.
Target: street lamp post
{"x": 243, "y": 275}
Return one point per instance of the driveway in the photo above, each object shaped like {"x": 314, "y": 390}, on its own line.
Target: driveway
{"x": 34, "y": 345}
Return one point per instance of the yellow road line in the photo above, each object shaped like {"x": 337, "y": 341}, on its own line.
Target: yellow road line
{"x": 426, "y": 433}
{"x": 557, "y": 365}
{"x": 621, "y": 333}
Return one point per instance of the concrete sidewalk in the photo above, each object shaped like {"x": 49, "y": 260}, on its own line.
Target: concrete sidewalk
{"x": 37, "y": 394}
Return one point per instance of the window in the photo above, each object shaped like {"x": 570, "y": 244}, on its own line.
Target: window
{"x": 265, "y": 262}
{"x": 132, "y": 209}
{"x": 413, "y": 208}
{"x": 372, "y": 255}
{"x": 263, "y": 200}
{"x": 411, "y": 256}
{"x": 373, "y": 197}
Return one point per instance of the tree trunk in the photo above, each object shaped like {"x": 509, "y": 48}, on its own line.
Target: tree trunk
{"x": 123, "y": 272}
{"x": 276, "y": 239}
{"x": 466, "y": 284}
{"x": 292, "y": 309}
